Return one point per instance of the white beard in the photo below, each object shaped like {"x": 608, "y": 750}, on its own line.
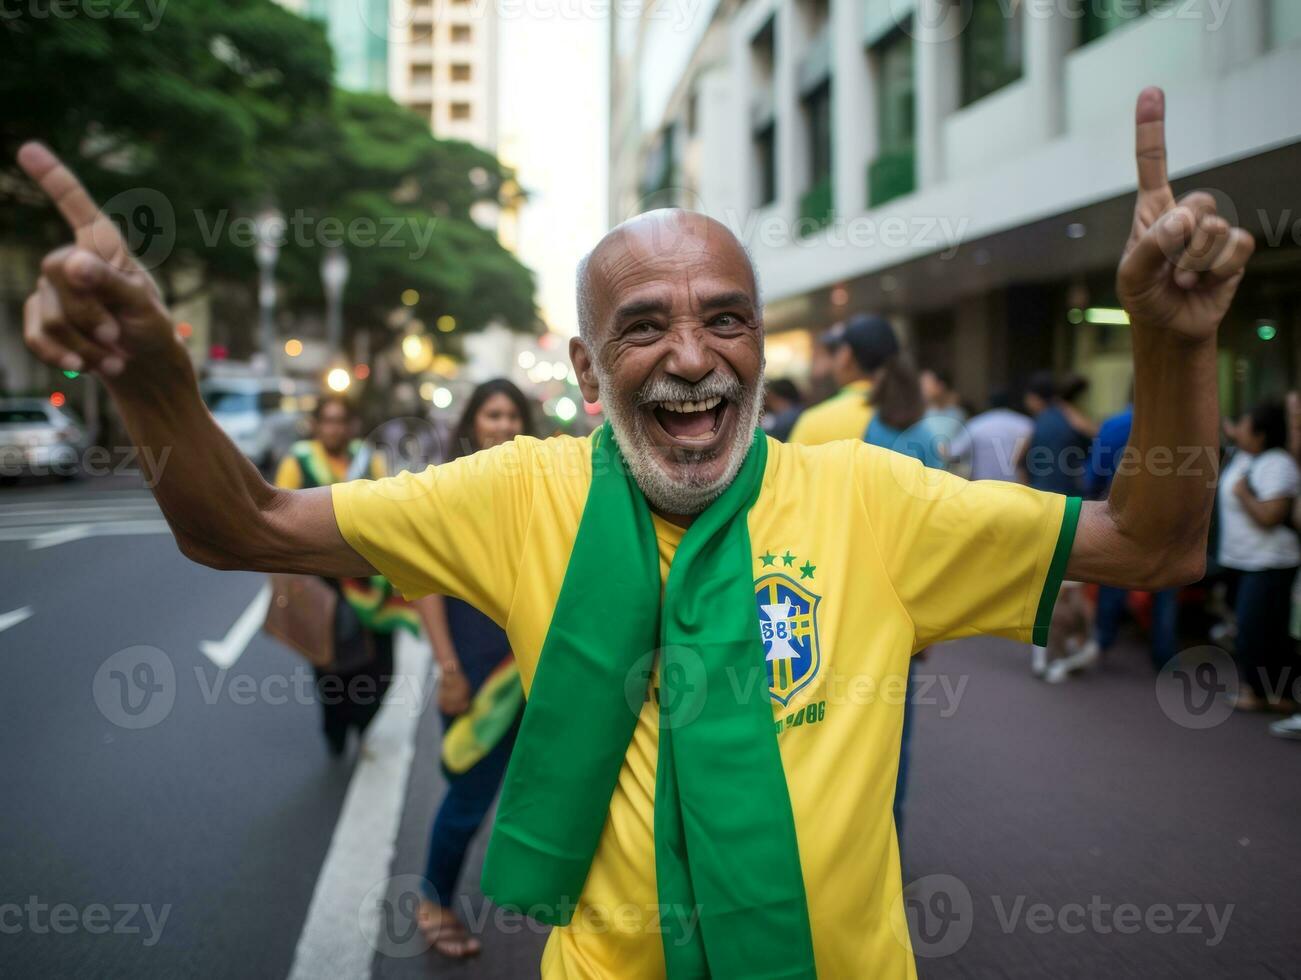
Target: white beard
{"x": 666, "y": 493}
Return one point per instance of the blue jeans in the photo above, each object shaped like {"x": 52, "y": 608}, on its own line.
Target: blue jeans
{"x": 1165, "y": 622}
{"x": 901, "y": 780}
{"x": 468, "y": 800}
{"x": 1266, "y": 652}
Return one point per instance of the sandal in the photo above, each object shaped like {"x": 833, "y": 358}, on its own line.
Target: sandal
{"x": 445, "y": 933}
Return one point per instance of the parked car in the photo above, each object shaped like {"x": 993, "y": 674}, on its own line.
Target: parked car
{"x": 37, "y": 439}
{"x": 262, "y": 416}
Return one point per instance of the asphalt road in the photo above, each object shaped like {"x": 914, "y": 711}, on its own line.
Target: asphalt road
{"x": 1087, "y": 830}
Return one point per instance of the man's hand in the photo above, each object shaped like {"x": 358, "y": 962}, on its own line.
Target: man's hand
{"x": 1183, "y": 262}
{"x": 453, "y": 693}
{"x": 94, "y": 308}
{"x": 1180, "y": 270}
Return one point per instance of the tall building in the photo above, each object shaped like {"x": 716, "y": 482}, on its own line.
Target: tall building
{"x": 358, "y": 31}
{"x": 443, "y": 65}
{"x": 966, "y": 166}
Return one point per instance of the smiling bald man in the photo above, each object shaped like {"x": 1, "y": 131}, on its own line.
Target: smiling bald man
{"x": 713, "y": 628}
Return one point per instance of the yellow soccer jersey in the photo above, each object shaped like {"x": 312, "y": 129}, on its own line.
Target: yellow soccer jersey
{"x": 861, "y": 557}
{"x": 842, "y": 416}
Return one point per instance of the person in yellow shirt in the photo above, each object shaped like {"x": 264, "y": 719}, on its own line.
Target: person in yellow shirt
{"x": 350, "y": 695}
{"x": 712, "y": 629}
{"x": 855, "y": 355}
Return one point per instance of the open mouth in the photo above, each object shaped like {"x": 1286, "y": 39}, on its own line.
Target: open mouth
{"x": 693, "y": 424}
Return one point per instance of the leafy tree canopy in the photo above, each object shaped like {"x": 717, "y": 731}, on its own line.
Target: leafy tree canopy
{"x": 187, "y": 118}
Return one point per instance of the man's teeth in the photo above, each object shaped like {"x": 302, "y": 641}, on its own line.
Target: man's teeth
{"x": 685, "y": 408}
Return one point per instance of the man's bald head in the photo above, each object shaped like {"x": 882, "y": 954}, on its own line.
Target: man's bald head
{"x": 671, "y": 344}
{"x": 666, "y": 231}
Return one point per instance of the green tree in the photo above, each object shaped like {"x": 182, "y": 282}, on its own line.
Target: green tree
{"x": 373, "y": 178}
{"x": 170, "y": 110}
{"x": 187, "y": 121}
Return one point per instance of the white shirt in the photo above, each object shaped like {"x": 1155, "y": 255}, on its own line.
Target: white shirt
{"x": 1244, "y": 544}
{"x": 993, "y": 439}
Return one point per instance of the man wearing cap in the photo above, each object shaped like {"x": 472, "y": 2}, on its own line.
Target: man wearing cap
{"x": 845, "y": 414}
{"x": 713, "y": 628}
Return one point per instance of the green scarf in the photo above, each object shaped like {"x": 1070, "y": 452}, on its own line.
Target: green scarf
{"x": 725, "y": 846}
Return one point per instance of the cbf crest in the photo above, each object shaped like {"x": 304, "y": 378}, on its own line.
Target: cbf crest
{"x": 788, "y": 625}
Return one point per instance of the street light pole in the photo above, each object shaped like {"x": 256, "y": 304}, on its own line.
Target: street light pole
{"x": 270, "y": 229}
{"x": 334, "y": 276}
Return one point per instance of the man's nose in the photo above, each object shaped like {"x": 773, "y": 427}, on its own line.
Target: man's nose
{"x": 690, "y": 359}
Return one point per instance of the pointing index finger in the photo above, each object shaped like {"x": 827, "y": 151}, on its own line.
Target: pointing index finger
{"x": 59, "y": 184}
{"x": 1149, "y": 144}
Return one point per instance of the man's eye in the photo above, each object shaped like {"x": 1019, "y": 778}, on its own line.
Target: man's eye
{"x": 641, "y": 326}
{"x": 726, "y": 320}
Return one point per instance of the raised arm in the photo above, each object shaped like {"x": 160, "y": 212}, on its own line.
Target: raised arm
{"x": 1180, "y": 271}
{"x": 95, "y": 309}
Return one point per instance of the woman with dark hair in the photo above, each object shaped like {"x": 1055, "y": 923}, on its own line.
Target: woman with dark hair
{"x": 1257, "y": 489}
{"x": 899, "y": 419}
{"x": 479, "y": 695}
{"x": 497, "y": 412}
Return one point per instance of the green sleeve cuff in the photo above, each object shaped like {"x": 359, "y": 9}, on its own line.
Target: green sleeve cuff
{"x": 1056, "y": 571}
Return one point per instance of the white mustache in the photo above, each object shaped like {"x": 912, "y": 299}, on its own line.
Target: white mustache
{"x": 668, "y": 390}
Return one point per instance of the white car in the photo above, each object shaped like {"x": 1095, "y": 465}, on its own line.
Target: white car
{"x": 262, "y": 416}
{"x": 37, "y": 439}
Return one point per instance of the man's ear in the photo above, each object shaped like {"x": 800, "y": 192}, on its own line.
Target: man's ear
{"x": 585, "y": 370}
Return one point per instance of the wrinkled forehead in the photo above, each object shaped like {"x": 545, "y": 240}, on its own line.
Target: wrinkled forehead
{"x": 675, "y": 258}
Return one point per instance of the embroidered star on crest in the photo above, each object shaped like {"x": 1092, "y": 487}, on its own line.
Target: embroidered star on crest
{"x": 788, "y": 558}
{"x": 767, "y": 559}
{"x": 807, "y": 570}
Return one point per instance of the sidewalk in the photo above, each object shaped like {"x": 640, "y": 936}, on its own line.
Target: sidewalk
{"x": 1069, "y": 831}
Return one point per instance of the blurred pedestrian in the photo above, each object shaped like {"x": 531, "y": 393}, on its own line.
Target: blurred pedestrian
{"x": 1054, "y": 461}
{"x": 1258, "y": 488}
{"x": 822, "y": 365}
{"x": 367, "y": 611}
{"x": 898, "y": 424}
{"x": 782, "y": 405}
{"x": 1070, "y": 391}
{"x": 1291, "y": 727}
{"x": 480, "y": 698}
{"x": 1056, "y": 453}
{"x": 993, "y": 441}
{"x": 941, "y": 398}
{"x": 1104, "y": 458}
{"x": 845, "y": 414}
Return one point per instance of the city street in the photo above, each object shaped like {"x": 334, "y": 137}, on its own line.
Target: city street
{"x": 1082, "y": 830}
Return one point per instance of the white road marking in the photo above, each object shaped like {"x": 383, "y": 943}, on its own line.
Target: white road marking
{"x": 333, "y": 942}
{"x": 48, "y": 536}
{"x": 226, "y": 651}
{"x": 73, "y": 532}
{"x": 51, "y": 521}
{"x": 14, "y": 618}
{"x": 56, "y": 515}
